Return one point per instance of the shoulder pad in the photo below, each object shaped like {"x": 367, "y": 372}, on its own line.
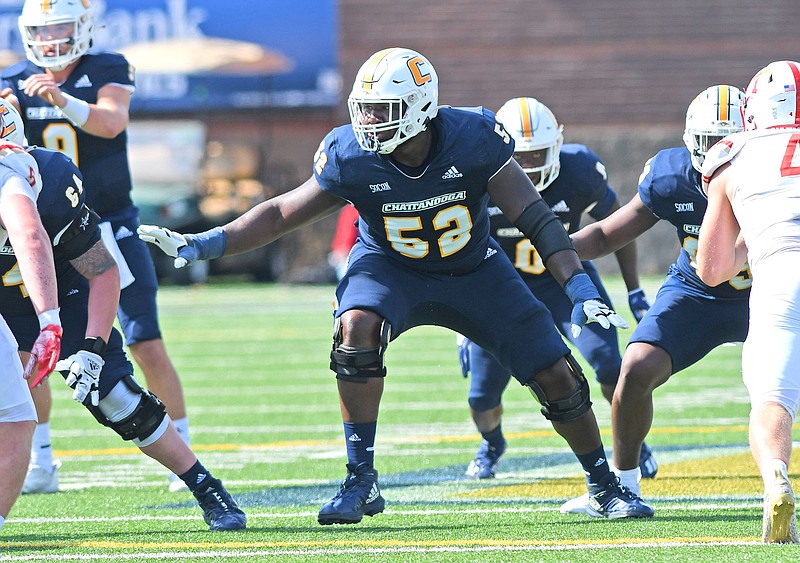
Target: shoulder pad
{"x": 107, "y": 58}
{"x": 14, "y": 70}
{"x": 20, "y": 161}
{"x": 719, "y": 154}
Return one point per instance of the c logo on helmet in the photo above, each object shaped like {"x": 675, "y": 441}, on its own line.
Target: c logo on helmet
{"x": 47, "y": 5}
{"x": 414, "y": 64}
{"x": 6, "y": 127}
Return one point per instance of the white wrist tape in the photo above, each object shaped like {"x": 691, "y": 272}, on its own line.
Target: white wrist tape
{"x": 49, "y": 318}
{"x": 77, "y": 111}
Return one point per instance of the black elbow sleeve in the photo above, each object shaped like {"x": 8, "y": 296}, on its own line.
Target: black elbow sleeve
{"x": 538, "y": 222}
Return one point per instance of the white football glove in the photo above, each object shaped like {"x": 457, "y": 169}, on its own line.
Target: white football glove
{"x": 82, "y": 371}
{"x": 185, "y": 248}
{"x": 168, "y": 241}
{"x": 595, "y": 311}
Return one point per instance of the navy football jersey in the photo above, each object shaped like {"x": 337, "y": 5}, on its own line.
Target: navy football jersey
{"x": 70, "y": 224}
{"x": 433, "y": 218}
{"x": 670, "y": 187}
{"x": 581, "y": 187}
{"x": 103, "y": 162}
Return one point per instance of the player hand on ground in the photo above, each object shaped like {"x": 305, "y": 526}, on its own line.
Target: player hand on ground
{"x": 185, "y": 248}
{"x": 44, "y": 355}
{"x": 82, "y": 372}
{"x": 638, "y": 303}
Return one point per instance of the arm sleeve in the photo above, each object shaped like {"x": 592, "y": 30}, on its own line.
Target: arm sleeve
{"x": 11, "y": 183}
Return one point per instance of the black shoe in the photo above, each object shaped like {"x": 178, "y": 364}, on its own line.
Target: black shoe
{"x": 358, "y": 495}
{"x": 220, "y": 511}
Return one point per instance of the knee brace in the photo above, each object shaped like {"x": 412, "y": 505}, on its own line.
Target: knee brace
{"x": 568, "y": 408}
{"x": 132, "y": 412}
{"x": 352, "y": 364}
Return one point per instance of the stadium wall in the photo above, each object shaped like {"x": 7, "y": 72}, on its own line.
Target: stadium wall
{"x": 618, "y": 74}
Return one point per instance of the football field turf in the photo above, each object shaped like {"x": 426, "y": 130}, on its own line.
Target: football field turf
{"x": 265, "y": 419}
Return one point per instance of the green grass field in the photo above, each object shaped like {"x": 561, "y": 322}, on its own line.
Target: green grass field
{"x": 265, "y": 418}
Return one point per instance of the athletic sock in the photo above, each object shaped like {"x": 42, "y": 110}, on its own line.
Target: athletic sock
{"x": 196, "y": 475}
{"x": 629, "y": 478}
{"x": 773, "y": 468}
{"x": 360, "y": 441}
{"x": 41, "y": 450}
{"x": 494, "y": 437}
{"x": 595, "y": 465}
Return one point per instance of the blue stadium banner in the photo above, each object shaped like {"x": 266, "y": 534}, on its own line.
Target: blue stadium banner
{"x": 195, "y": 55}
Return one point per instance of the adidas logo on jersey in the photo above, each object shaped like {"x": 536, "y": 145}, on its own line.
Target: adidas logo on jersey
{"x": 83, "y": 82}
{"x": 452, "y": 173}
{"x": 560, "y": 207}
{"x": 489, "y": 253}
{"x": 354, "y": 438}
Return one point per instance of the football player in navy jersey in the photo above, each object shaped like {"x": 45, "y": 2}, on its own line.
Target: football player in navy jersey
{"x": 572, "y": 180}
{"x": 94, "y": 362}
{"x": 420, "y": 177}
{"x": 688, "y": 318}
{"x": 21, "y": 229}
{"x": 77, "y": 103}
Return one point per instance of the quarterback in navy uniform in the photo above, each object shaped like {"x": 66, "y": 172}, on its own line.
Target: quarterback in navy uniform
{"x": 94, "y": 362}
{"x": 420, "y": 177}
{"x": 77, "y": 103}
{"x": 572, "y": 180}
{"x": 688, "y": 318}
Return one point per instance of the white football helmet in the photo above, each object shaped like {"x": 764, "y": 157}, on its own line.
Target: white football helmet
{"x": 771, "y": 99}
{"x": 11, "y": 128}
{"x": 534, "y": 129}
{"x": 56, "y": 53}
{"x": 405, "y": 85}
{"x": 712, "y": 115}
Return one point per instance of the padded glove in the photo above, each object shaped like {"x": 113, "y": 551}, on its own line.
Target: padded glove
{"x": 588, "y": 306}
{"x": 82, "y": 373}
{"x": 185, "y": 248}
{"x": 44, "y": 355}
{"x": 638, "y": 303}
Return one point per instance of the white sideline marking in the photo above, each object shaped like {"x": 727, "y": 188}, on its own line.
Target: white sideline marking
{"x": 187, "y": 555}
{"x": 389, "y": 512}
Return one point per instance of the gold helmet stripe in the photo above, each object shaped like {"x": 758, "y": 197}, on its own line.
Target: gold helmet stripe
{"x": 723, "y": 103}
{"x": 372, "y": 67}
{"x": 526, "y": 118}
